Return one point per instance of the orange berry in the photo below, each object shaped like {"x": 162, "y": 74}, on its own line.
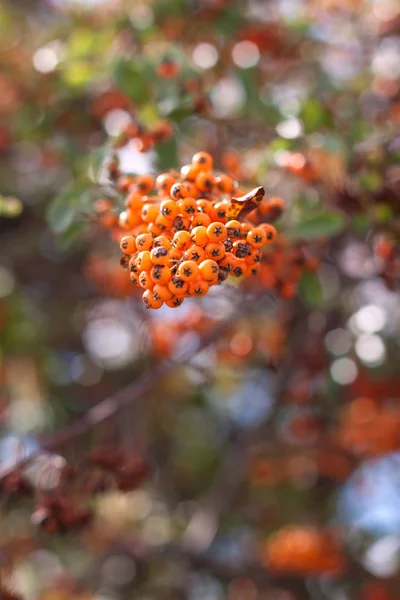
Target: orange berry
{"x": 124, "y": 261}
{"x": 144, "y": 183}
{"x": 208, "y": 270}
{"x": 198, "y": 287}
{"x": 128, "y": 244}
{"x": 164, "y": 182}
{"x": 128, "y": 219}
{"x": 143, "y": 261}
{"x": 150, "y": 213}
{"x": 176, "y": 191}
{"x": 254, "y": 269}
{"x": 234, "y": 229}
{"x": 203, "y": 160}
{"x": 134, "y": 277}
{"x": 160, "y": 256}
{"x": 200, "y": 219}
{"x": 155, "y": 229}
{"x": 271, "y": 233}
{"x": 275, "y": 208}
{"x": 181, "y": 240}
{"x": 144, "y": 241}
{"x": 217, "y": 232}
{"x": 162, "y": 292}
{"x": 229, "y": 262}
{"x": 190, "y": 172}
{"x": 163, "y": 223}
{"x": 195, "y": 253}
{"x": 149, "y": 301}
{"x": 255, "y": 256}
{"x": 188, "y": 189}
{"x": 160, "y": 274}
{"x": 163, "y": 241}
{"x": 169, "y": 209}
{"x": 246, "y": 227}
{"x": 220, "y": 210}
{"x": 199, "y": 235}
{"x": 215, "y": 250}
{"x": 257, "y": 237}
{"x": 205, "y": 181}
{"x": 240, "y": 268}
{"x": 225, "y": 184}
{"x": 133, "y": 268}
{"x": 134, "y": 201}
{"x": 145, "y": 280}
{"x": 241, "y": 249}
{"x": 188, "y": 270}
{"x": 177, "y": 285}
{"x": 182, "y": 223}
{"x": 175, "y": 302}
{"x": 187, "y": 206}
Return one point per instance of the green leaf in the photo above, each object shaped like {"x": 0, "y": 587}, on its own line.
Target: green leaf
{"x": 167, "y": 155}
{"x": 131, "y": 78}
{"x": 96, "y": 160}
{"x": 327, "y": 223}
{"x": 310, "y": 289}
{"x": 61, "y": 211}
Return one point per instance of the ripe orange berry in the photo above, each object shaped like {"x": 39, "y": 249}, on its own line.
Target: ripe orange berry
{"x": 234, "y": 229}
{"x": 257, "y": 237}
{"x": 254, "y": 269}
{"x": 208, "y": 269}
{"x": 162, "y": 292}
{"x": 164, "y": 182}
{"x": 188, "y": 270}
{"x": 144, "y": 241}
{"x": 163, "y": 223}
{"x": 143, "y": 261}
{"x": 246, "y": 227}
{"x": 275, "y": 208}
{"x": 160, "y": 274}
{"x": 155, "y": 229}
{"x": 270, "y": 231}
{"x": 229, "y": 262}
{"x": 176, "y": 191}
{"x": 215, "y": 250}
{"x": 203, "y": 160}
{"x": 163, "y": 241}
{"x": 128, "y": 219}
{"x": 160, "y": 256}
{"x": 220, "y": 210}
{"x": 241, "y": 249}
{"x": 195, "y": 253}
{"x": 134, "y": 201}
{"x": 124, "y": 261}
{"x": 145, "y": 280}
{"x": 205, "y": 181}
{"x": 225, "y": 184}
{"x": 128, "y": 244}
{"x": 149, "y": 301}
{"x": 169, "y": 209}
{"x": 133, "y": 268}
{"x": 177, "y": 285}
{"x": 240, "y": 268}
{"x": 182, "y": 223}
{"x": 175, "y": 302}
{"x": 187, "y": 207}
{"x": 144, "y": 183}
{"x": 199, "y": 236}
{"x": 150, "y": 213}
{"x": 255, "y": 256}
{"x": 181, "y": 240}
{"x": 198, "y": 288}
{"x": 217, "y": 232}
{"x": 190, "y": 172}
{"x": 200, "y": 219}
{"x": 134, "y": 277}
{"x": 188, "y": 189}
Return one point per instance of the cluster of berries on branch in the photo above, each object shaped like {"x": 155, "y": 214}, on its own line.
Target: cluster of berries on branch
{"x": 191, "y": 234}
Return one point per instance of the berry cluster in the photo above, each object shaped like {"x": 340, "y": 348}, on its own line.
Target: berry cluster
{"x": 144, "y": 138}
{"x": 191, "y": 235}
